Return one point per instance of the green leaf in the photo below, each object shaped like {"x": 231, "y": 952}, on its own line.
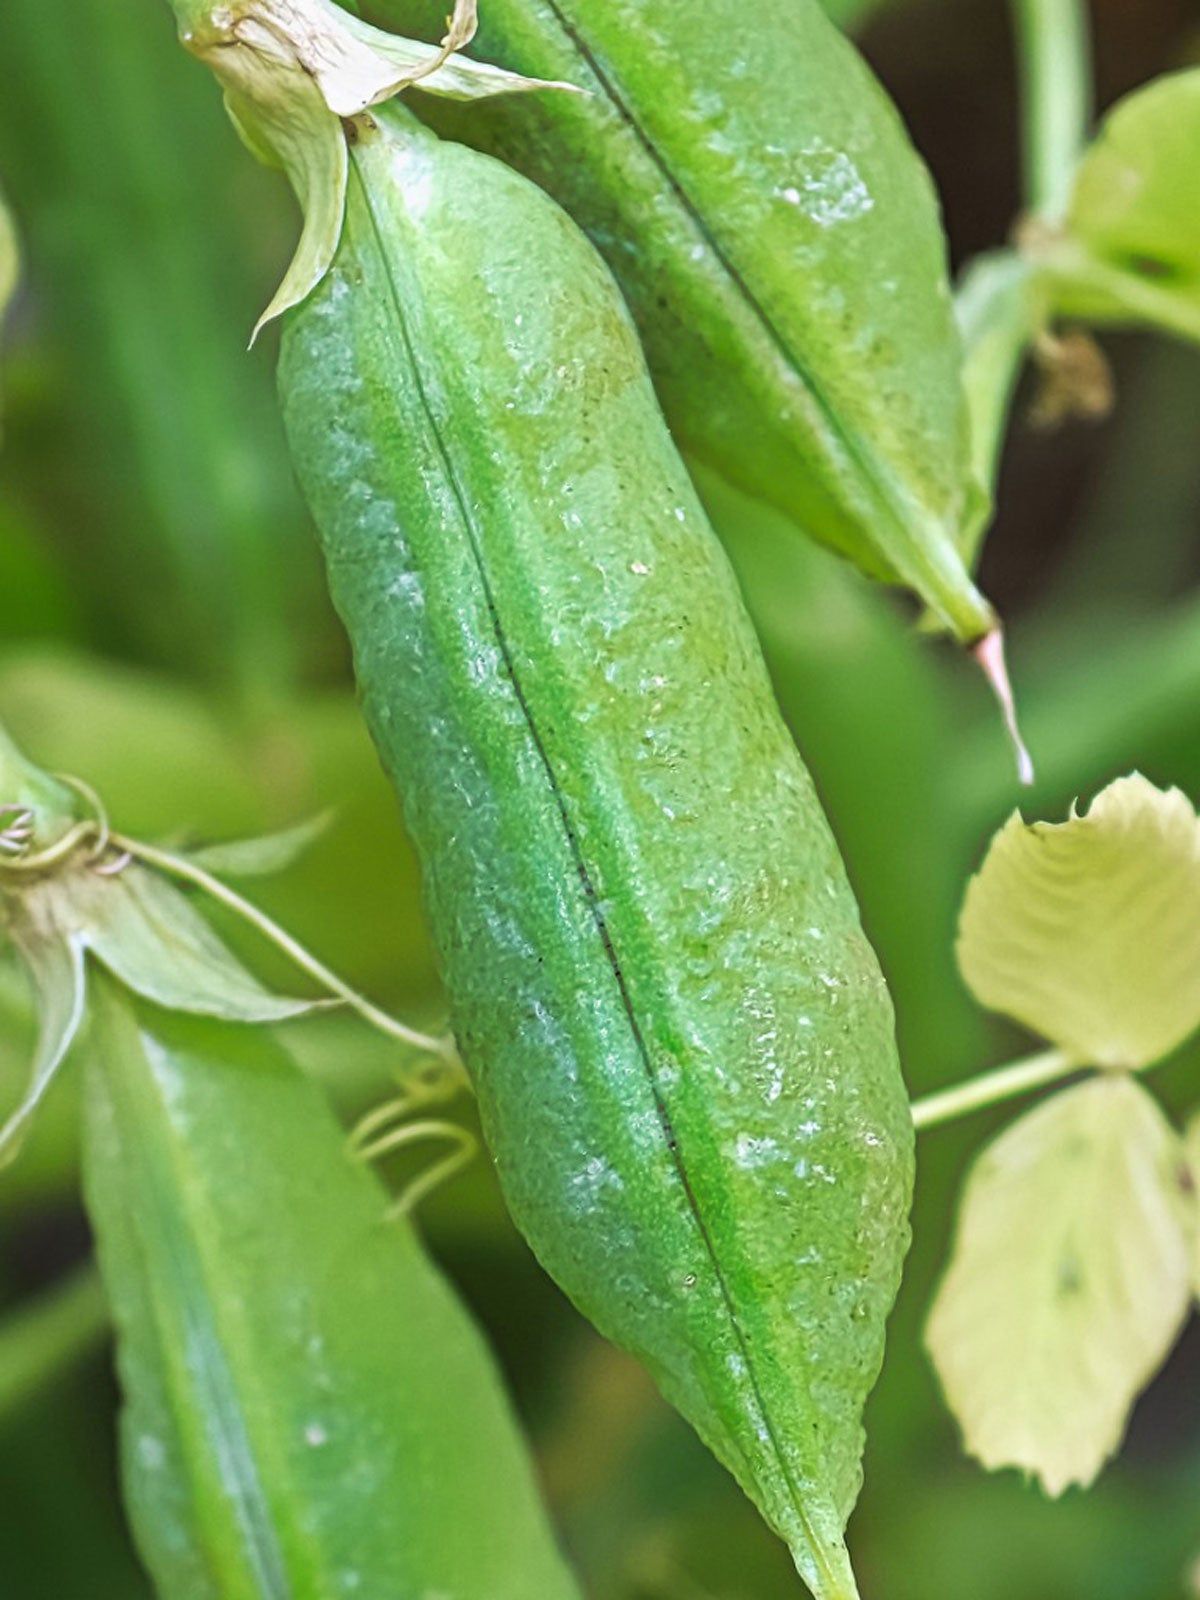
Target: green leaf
{"x": 1088, "y": 931}
{"x": 308, "y": 1410}
{"x": 1069, "y": 1280}
{"x": 1133, "y": 249}
{"x": 269, "y": 852}
{"x": 1137, "y": 192}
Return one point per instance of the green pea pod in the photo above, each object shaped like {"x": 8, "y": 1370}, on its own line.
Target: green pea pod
{"x": 308, "y": 1411}
{"x": 778, "y": 240}
{"x": 680, "y": 1038}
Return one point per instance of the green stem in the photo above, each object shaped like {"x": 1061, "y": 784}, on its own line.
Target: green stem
{"x": 1055, "y": 64}
{"x": 40, "y": 1339}
{"x": 990, "y": 1088}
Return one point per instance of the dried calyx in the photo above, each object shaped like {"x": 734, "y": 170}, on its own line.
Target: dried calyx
{"x": 74, "y": 890}
{"x": 294, "y": 71}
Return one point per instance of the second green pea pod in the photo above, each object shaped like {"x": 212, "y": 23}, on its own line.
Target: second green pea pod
{"x": 680, "y": 1038}
{"x": 779, "y": 242}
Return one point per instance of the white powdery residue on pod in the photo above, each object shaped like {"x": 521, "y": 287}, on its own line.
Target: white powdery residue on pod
{"x": 831, "y": 191}
{"x": 645, "y": 1129}
{"x": 406, "y": 586}
{"x": 315, "y": 1435}
{"x": 151, "y": 1452}
{"x": 485, "y": 664}
{"x": 751, "y": 1151}
{"x": 592, "y": 1180}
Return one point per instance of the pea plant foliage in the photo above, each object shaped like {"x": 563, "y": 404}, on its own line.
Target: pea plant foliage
{"x": 1075, "y": 1260}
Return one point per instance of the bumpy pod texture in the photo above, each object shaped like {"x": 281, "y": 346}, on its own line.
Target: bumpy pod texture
{"x": 681, "y": 1040}
{"x": 779, "y": 242}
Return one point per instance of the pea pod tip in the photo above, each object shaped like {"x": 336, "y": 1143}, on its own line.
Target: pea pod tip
{"x": 989, "y": 653}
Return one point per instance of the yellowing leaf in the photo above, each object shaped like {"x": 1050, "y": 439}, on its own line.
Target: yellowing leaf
{"x": 1088, "y": 931}
{"x": 1069, "y": 1280}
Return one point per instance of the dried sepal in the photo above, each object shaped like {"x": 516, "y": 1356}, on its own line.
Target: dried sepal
{"x": 265, "y": 853}
{"x": 147, "y": 934}
{"x": 54, "y": 960}
{"x": 294, "y": 71}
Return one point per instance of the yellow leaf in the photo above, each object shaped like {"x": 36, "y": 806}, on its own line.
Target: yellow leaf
{"x": 1069, "y": 1282}
{"x": 1088, "y": 931}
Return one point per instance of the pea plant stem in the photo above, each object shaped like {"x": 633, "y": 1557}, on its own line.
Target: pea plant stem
{"x": 1055, "y": 65}
{"x": 990, "y": 1088}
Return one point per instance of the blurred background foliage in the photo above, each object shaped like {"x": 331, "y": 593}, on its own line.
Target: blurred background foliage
{"x": 163, "y": 633}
